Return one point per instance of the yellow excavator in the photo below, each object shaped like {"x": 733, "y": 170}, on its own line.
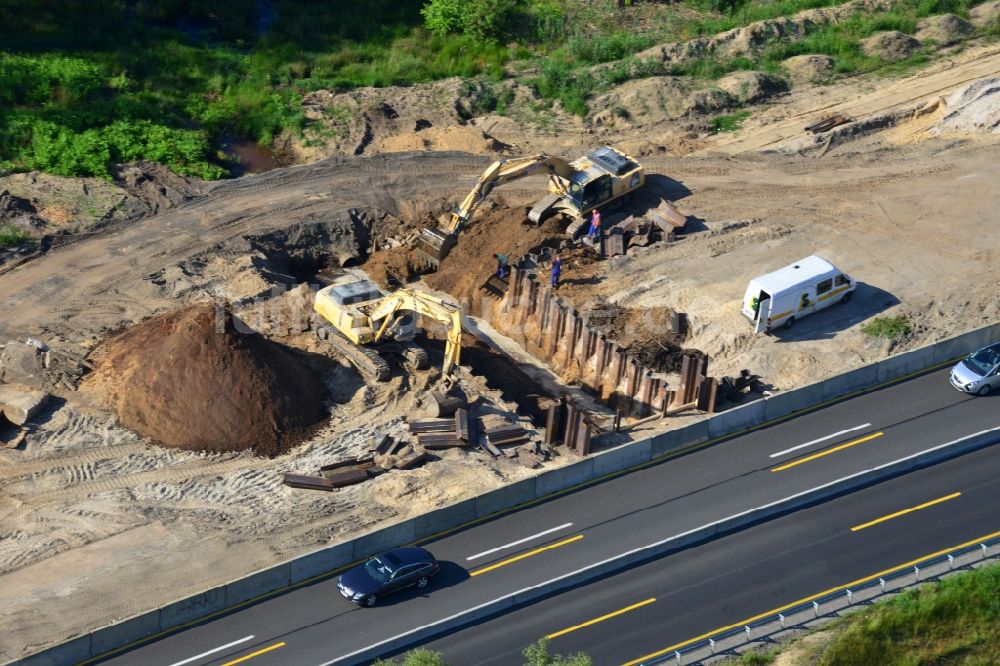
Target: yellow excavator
{"x": 575, "y": 189}
{"x": 363, "y": 323}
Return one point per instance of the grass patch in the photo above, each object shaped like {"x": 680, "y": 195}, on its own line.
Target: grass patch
{"x": 758, "y": 658}
{"x": 11, "y": 236}
{"x": 729, "y": 122}
{"x": 951, "y": 622}
{"x": 85, "y": 85}
{"x": 887, "y": 327}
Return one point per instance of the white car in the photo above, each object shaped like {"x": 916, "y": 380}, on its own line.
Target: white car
{"x": 978, "y": 372}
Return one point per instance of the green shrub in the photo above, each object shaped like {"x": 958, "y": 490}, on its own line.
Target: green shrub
{"x": 887, "y": 327}
{"x": 11, "y": 236}
{"x": 481, "y": 19}
{"x": 728, "y": 123}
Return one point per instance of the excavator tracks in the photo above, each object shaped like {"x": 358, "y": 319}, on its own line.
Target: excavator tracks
{"x": 366, "y": 360}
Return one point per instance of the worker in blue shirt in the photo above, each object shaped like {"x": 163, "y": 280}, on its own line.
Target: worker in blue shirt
{"x": 556, "y": 270}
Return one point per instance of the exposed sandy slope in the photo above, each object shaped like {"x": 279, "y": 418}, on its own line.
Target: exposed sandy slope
{"x": 87, "y": 510}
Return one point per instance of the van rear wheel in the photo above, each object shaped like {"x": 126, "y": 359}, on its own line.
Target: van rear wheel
{"x": 789, "y": 322}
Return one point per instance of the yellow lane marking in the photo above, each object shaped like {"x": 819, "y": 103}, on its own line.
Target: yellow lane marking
{"x": 779, "y": 609}
{"x": 602, "y": 618}
{"x": 905, "y": 511}
{"x": 255, "y": 654}
{"x": 536, "y": 551}
{"x": 828, "y": 452}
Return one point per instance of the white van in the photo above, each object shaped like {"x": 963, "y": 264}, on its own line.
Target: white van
{"x": 792, "y": 292}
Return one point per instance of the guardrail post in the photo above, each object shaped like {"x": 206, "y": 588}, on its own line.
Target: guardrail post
{"x": 881, "y": 582}
{"x": 951, "y": 561}
{"x": 711, "y": 644}
{"x": 985, "y": 548}
{"x": 849, "y": 595}
{"x": 781, "y": 619}
{"x": 677, "y": 655}
{"x": 916, "y": 574}
{"x": 747, "y": 627}
{"x": 816, "y": 608}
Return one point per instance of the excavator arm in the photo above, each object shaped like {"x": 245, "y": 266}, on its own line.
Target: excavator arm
{"x": 434, "y": 244}
{"x": 430, "y": 306}
{"x": 499, "y": 173}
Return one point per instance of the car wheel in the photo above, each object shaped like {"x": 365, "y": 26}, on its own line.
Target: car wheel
{"x": 370, "y": 600}
{"x": 846, "y": 298}
{"x": 789, "y": 322}
{"x": 422, "y": 581}
{"x": 984, "y": 389}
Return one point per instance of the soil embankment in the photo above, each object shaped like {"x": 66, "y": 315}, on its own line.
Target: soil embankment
{"x": 190, "y": 379}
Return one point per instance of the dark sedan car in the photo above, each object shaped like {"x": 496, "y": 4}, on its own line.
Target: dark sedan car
{"x": 387, "y": 573}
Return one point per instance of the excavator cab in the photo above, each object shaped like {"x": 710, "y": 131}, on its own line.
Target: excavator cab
{"x": 575, "y": 188}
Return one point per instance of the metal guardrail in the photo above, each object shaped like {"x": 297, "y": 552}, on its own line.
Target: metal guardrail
{"x": 829, "y": 603}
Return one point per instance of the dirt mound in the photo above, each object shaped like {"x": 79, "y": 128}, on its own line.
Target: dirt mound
{"x": 944, "y": 29}
{"x": 19, "y": 212}
{"x": 500, "y": 231}
{"x": 749, "y": 87}
{"x": 193, "y": 380}
{"x": 972, "y": 109}
{"x": 986, "y": 14}
{"x": 890, "y": 45}
{"x": 807, "y": 68}
{"x": 392, "y": 268}
{"x": 154, "y": 186}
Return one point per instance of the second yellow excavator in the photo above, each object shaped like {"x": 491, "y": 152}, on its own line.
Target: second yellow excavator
{"x": 575, "y": 188}
{"x": 362, "y": 321}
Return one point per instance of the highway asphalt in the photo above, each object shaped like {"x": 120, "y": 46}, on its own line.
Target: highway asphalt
{"x": 314, "y": 625}
{"x": 739, "y": 576}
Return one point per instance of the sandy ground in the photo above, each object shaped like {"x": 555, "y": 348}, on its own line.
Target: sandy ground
{"x": 87, "y": 509}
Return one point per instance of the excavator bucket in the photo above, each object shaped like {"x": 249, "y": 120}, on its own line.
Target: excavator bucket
{"x": 433, "y": 245}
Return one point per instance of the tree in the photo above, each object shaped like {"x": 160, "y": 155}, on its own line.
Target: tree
{"x": 537, "y": 654}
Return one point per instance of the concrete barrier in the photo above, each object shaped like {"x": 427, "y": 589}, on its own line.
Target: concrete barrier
{"x": 904, "y": 364}
{"x": 855, "y": 380}
{"x": 504, "y": 498}
{"x": 622, "y": 457}
{"x": 72, "y": 651}
{"x": 445, "y": 518}
{"x": 125, "y": 632}
{"x": 375, "y": 542}
{"x": 561, "y": 478}
{"x": 782, "y": 404}
{"x": 671, "y": 440}
{"x": 320, "y": 562}
{"x": 586, "y": 469}
{"x": 193, "y": 608}
{"x": 258, "y": 583}
{"x": 965, "y": 343}
{"x": 737, "y": 419}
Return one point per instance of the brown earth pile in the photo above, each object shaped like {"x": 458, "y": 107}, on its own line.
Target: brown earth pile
{"x": 500, "y": 231}
{"x": 190, "y": 379}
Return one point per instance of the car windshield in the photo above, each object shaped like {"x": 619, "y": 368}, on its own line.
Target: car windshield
{"x": 982, "y": 361}
{"x": 379, "y": 569}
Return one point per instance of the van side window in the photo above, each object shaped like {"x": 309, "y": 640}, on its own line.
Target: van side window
{"x": 842, "y": 280}
{"x": 824, "y": 286}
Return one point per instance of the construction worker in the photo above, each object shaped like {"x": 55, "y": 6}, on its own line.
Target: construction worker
{"x": 556, "y": 270}
{"x": 502, "y": 265}
{"x": 595, "y": 225}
